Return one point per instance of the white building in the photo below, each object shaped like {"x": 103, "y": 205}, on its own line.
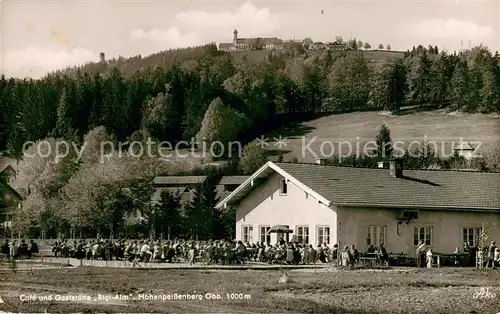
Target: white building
{"x": 465, "y": 150}
{"x": 360, "y": 206}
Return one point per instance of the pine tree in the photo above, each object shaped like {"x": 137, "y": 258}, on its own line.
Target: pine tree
{"x": 459, "y": 86}
{"x": 64, "y": 128}
{"x": 168, "y": 217}
{"x": 203, "y": 221}
{"x": 490, "y": 92}
{"x": 16, "y": 139}
{"x": 96, "y": 111}
{"x": 384, "y": 143}
{"x": 396, "y": 78}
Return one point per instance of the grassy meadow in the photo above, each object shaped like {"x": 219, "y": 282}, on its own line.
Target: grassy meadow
{"x": 443, "y": 290}
{"x": 446, "y": 129}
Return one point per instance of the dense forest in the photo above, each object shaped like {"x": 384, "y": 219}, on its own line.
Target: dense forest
{"x": 205, "y": 94}
{"x": 169, "y": 97}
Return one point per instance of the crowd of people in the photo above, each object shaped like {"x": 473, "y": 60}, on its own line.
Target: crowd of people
{"x": 210, "y": 252}
{"x": 471, "y": 256}
{"x": 18, "y": 249}
{"x": 236, "y": 252}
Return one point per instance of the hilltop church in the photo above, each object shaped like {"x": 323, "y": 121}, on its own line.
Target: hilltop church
{"x": 258, "y": 43}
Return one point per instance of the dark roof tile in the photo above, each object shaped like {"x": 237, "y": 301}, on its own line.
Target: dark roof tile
{"x": 417, "y": 188}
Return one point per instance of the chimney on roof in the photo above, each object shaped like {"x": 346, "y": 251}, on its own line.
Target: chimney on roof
{"x": 321, "y": 161}
{"x": 396, "y": 167}
{"x": 102, "y": 56}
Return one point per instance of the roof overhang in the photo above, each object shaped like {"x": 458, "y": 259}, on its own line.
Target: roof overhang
{"x": 416, "y": 207}
{"x": 264, "y": 172}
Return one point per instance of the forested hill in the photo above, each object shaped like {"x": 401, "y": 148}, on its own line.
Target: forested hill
{"x": 188, "y": 59}
{"x": 166, "y": 95}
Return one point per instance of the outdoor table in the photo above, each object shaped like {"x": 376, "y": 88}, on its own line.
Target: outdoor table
{"x": 369, "y": 261}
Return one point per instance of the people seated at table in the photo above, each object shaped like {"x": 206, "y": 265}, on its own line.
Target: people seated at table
{"x": 237, "y": 252}
{"x": 334, "y": 253}
{"x": 371, "y": 249}
{"x": 354, "y": 255}
{"x": 346, "y": 257}
{"x": 23, "y": 250}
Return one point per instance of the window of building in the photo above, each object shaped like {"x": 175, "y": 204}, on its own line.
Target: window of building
{"x": 376, "y": 235}
{"x": 472, "y": 235}
{"x": 302, "y": 233}
{"x": 423, "y": 234}
{"x": 323, "y": 235}
{"x": 263, "y": 234}
{"x": 283, "y": 186}
{"x": 247, "y": 234}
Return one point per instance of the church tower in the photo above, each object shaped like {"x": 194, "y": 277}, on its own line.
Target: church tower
{"x": 235, "y": 37}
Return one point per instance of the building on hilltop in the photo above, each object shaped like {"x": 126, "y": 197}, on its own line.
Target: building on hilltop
{"x": 328, "y": 46}
{"x": 359, "y": 206}
{"x": 275, "y": 43}
{"x": 336, "y": 46}
{"x": 257, "y": 43}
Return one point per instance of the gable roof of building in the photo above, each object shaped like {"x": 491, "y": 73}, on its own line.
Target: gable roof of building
{"x": 178, "y": 180}
{"x": 464, "y": 146}
{"x": 5, "y": 168}
{"x": 262, "y": 173}
{"x": 9, "y": 188}
{"x": 363, "y": 187}
{"x": 5, "y": 162}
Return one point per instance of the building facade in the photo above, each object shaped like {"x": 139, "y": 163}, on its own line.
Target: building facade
{"x": 362, "y": 207}
{"x": 275, "y": 43}
{"x": 465, "y": 150}
{"x": 10, "y": 198}
{"x": 256, "y": 43}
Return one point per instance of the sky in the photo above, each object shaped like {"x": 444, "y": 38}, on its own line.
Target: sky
{"x": 37, "y": 37}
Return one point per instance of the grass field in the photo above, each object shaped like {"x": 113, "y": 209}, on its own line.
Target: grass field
{"x": 389, "y": 291}
{"x": 446, "y": 129}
